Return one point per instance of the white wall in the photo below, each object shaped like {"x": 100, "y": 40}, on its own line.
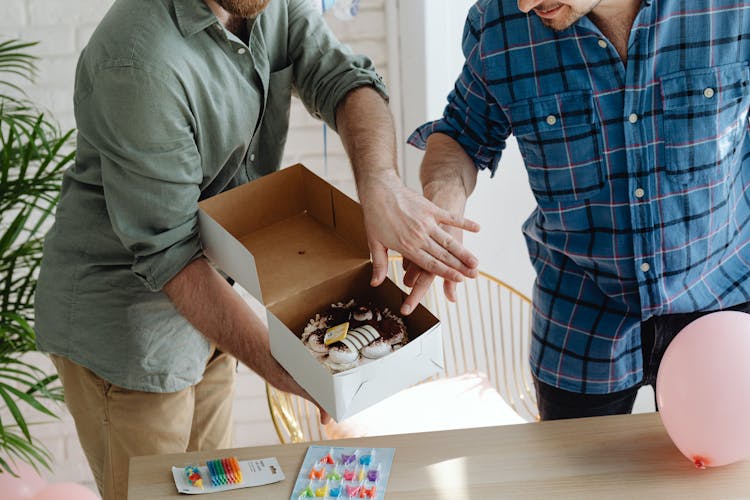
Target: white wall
{"x": 63, "y": 28}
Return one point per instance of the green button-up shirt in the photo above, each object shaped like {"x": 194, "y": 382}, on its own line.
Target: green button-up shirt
{"x": 171, "y": 108}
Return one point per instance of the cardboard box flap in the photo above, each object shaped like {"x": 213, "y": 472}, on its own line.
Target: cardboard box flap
{"x": 301, "y": 231}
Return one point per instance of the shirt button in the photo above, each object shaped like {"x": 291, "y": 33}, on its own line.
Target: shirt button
{"x": 645, "y": 267}
{"x": 252, "y": 156}
{"x": 708, "y": 93}
{"x": 633, "y": 118}
{"x": 639, "y": 192}
{"x": 241, "y": 50}
{"x": 602, "y": 43}
{"x": 551, "y": 120}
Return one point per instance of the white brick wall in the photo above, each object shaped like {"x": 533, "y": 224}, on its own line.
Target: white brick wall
{"x": 63, "y": 28}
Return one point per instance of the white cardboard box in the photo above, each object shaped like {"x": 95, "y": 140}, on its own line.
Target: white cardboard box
{"x": 299, "y": 245}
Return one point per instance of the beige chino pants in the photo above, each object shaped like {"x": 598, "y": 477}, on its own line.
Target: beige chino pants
{"x": 115, "y": 424}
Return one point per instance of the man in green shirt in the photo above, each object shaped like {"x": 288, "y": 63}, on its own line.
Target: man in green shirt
{"x": 176, "y": 101}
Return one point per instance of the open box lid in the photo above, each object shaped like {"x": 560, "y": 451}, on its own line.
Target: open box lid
{"x": 290, "y": 230}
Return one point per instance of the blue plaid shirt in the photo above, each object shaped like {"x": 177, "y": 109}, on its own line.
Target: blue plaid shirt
{"x": 640, "y": 171}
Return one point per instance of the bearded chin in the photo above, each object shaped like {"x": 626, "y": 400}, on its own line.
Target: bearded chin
{"x": 244, "y": 8}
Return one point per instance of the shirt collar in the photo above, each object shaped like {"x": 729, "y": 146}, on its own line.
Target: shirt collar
{"x": 193, "y": 16}
{"x": 586, "y": 23}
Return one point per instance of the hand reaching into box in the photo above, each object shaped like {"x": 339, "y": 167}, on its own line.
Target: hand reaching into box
{"x": 397, "y": 218}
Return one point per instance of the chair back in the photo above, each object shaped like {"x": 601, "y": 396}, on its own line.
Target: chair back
{"x": 487, "y": 330}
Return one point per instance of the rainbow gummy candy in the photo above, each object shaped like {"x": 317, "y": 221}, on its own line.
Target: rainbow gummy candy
{"x": 373, "y": 474}
{"x": 365, "y": 493}
{"x": 307, "y": 492}
{"x": 353, "y": 491}
{"x": 334, "y": 474}
{"x": 366, "y": 459}
{"x": 328, "y": 459}
{"x": 323, "y": 491}
{"x": 317, "y": 473}
{"x": 349, "y": 475}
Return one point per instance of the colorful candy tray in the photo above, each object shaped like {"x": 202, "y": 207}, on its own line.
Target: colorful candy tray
{"x": 343, "y": 473}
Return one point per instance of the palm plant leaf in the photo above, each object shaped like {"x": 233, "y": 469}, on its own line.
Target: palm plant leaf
{"x": 21, "y": 448}
{"x": 15, "y": 59}
{"x": 34, "y": 152}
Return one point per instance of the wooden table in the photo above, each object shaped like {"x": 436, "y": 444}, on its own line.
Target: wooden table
{"x": 625, "y": 456}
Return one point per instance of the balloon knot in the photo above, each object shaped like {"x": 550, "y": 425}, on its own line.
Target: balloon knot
{"x": 699, "y": 462}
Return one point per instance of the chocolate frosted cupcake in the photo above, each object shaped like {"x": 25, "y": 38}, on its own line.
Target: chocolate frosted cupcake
{"x": 339, "y": 313}
{"x": 315, "y": 342}
{"x": 392, "y": 328}
{"x": 314, "y": 325}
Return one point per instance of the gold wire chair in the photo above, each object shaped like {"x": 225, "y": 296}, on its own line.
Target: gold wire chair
{"x": 488, "y": 330}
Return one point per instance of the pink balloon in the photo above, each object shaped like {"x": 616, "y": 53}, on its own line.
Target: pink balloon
{"x": 25, "y": 486}
{"x": 66, "y": 491}
{"x": 703, "y": 389}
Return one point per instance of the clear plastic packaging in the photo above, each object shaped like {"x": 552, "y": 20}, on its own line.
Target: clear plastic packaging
{"x": 341, "y": 473}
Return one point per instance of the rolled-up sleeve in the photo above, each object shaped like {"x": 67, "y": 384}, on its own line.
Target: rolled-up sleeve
{"x": 138, "y": 119}
{"x": 324, "y": 69}
{"x": 471, "y": 117}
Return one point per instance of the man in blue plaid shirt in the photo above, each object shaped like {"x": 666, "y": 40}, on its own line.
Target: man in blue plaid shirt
{"x": 632, "y": 118}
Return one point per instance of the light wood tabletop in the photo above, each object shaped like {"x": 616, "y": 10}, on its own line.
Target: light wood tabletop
{"x": 624, "y": 456}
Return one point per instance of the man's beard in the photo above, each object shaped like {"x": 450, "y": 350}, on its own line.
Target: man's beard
{"x": 245, "y": 9}
{"x": 570, "y": 17}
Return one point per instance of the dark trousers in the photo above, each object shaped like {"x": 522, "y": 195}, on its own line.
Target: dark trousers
{"x": 656, "y": 335}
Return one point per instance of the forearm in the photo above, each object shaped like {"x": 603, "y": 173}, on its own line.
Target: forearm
{"x": 206, "y": 300}
{"x": 365, "y": 125}
{"x": 396, "y": 218}
{"x": 447, "y": 173}
{"x": 210, "y": 304}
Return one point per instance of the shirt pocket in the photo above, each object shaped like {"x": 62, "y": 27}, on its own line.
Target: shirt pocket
{"x": 560, "y": 141}
{"x": 267, "y": 146}
{"x": 704, "y": 120}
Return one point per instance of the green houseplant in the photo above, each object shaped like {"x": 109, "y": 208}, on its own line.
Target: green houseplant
{"x": 33, "y": 154}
